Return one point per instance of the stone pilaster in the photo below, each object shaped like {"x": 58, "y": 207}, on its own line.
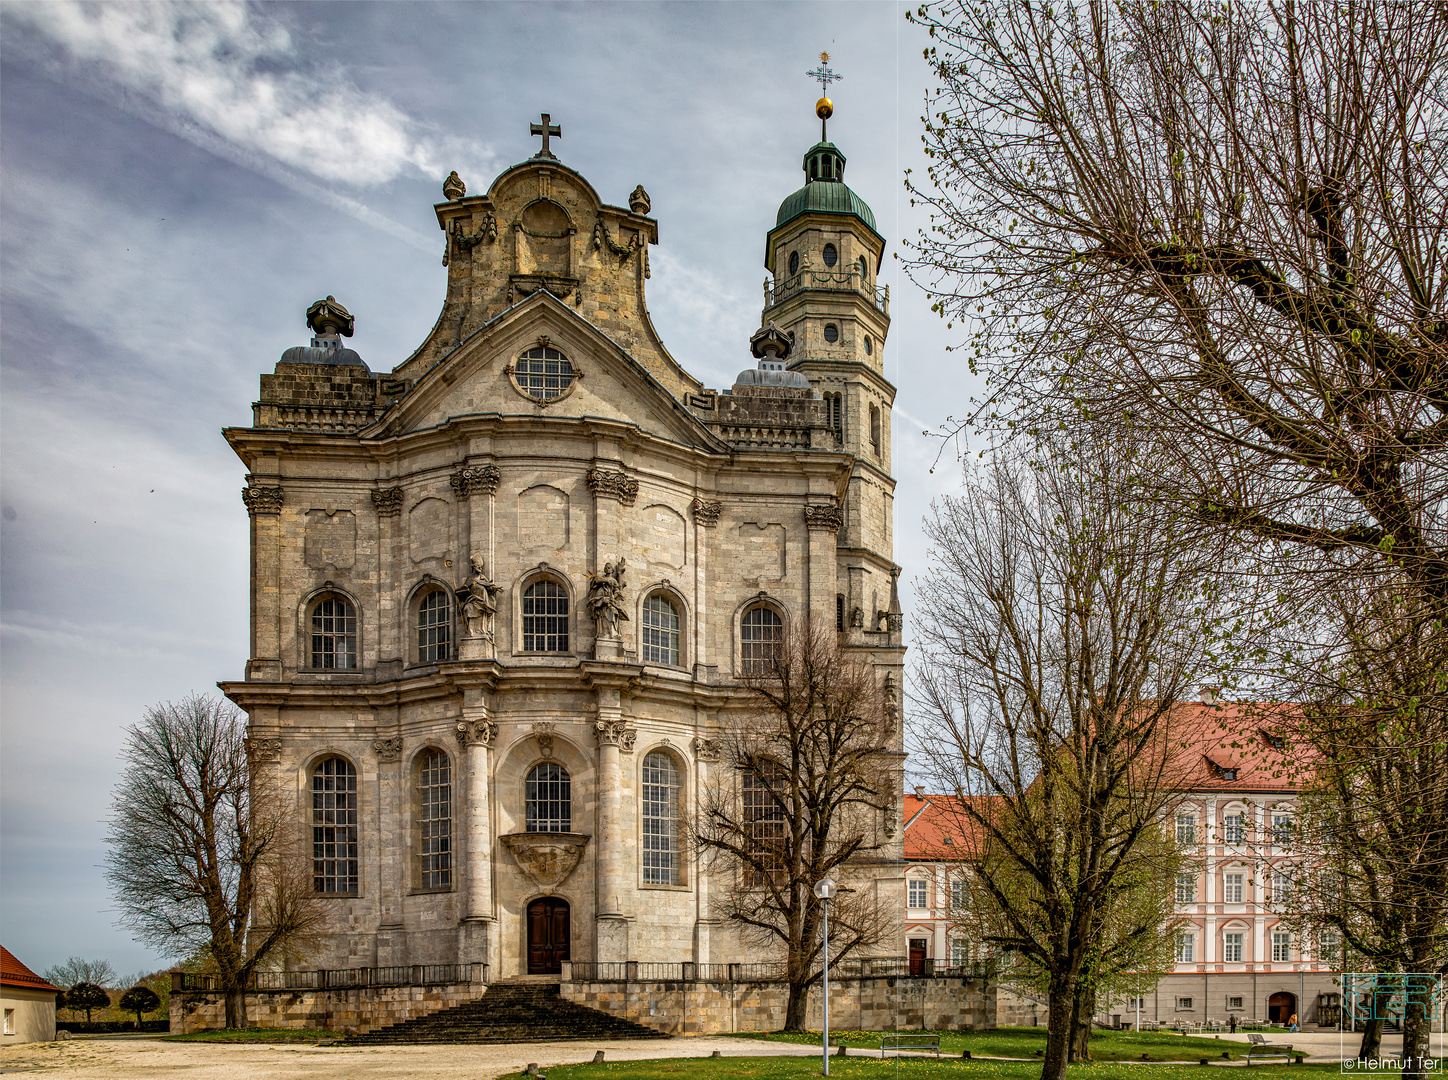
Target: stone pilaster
{"x": 706, "y": 757}
{"x": 392, "y": 642}
{"x": 391, "y": 864}
{"x": 615, "y": 738}
{"x": 476, "y": 733}
{"x": 264, "y": 504}
{"x": 706, "y": 518}
{"x": 822, "y": 523}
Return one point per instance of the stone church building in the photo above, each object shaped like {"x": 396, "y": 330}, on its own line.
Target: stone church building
{"x": 502, "y": 592}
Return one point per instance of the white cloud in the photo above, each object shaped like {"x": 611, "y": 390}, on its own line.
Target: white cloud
{"x": 233, "y": 71}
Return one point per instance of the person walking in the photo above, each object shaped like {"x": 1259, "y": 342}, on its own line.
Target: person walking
{"x": 1292, "y": 1023}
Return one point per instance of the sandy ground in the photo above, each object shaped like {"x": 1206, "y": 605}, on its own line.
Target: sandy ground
{"x": 128, "y": 1058}
{"x": 134, "y": 1058}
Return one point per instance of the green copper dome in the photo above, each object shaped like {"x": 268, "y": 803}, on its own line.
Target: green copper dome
{"x": 825, "y": 193}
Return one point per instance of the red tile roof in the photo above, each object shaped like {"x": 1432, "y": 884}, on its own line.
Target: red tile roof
{"x": 14, "y": 973}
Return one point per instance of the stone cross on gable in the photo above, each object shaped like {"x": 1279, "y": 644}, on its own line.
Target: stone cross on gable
{"x": 545, "y": 129}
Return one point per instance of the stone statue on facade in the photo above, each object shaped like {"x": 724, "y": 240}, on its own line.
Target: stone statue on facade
{"x": 605, "y": 599}
{"x": 479, "y": 602}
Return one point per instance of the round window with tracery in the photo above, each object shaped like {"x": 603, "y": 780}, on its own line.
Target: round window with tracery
{"x": 543, "y": 373}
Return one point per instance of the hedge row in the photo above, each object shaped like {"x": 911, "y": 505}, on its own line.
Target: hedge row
{"x": 80, "y": 1027}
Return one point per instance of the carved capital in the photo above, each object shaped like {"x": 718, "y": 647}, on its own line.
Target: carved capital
{"x": 706, "y": 749}
{"x": 388, "y": 749}
{"x": 824, "y": 517}
{"x": 263, "y": 749}
{"x": 262, "y": 500}
{"x": 475, "y": 480}
{"x": 706, "y": 512}
{"x": 476, "y": 732}
{"x": 607, "y": 484}
{"x": 388, "y": 501}
{"x": 616, "y": 733}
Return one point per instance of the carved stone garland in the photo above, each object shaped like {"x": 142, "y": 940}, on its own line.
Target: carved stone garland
{"x": 706, "y": 512}
{"x": 475, "y": 480}
{"x": 388, "y": 501}
{"x": 608, "y": 484}
{"x": 262, "y": 500}
{"x": 389, "y": 749}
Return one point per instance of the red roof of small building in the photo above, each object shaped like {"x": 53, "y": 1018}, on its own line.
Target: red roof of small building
{"x": 937, "y": 829}
{"x": 14, "y": 973}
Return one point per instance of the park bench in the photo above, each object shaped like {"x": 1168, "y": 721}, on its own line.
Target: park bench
{"x": 1260, "y": 1046}
{"x": 917, "y": 1043}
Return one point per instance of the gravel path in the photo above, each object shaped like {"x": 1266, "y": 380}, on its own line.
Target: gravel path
{"x": 143, "y": 1059}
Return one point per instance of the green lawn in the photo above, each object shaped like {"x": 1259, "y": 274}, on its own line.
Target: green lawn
{"x": 860, "y": 1068}
{"x": 257, "y": 1035}
{"x": 1023, "y": 1042}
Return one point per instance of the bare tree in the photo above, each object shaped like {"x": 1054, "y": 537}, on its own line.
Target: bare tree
{"x": 1373, "y": 687}
{"x": 1062, "y": 620}
{"x": 1226, "y": 221}
{"x": 804, "y": 782}
{"x": 201, "y": 855}
{"x": 78, "y": 970}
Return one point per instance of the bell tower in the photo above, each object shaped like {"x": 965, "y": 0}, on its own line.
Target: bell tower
{"x": 824, "y": 254}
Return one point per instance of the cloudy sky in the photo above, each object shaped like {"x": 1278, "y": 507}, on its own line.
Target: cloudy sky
{"x": 180, "y": 182}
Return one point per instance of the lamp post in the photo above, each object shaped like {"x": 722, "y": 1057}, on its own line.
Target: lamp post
{"x": 825, "y": 890}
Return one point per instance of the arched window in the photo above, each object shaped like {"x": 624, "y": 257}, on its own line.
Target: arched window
{"x": 875, "y": 428}
{"x": 661, "y": 631}
{"x": 545, "y": 617}
{"x": 764, "y": 784}
{"x": 434, "y": 819}
{"x": 434, "y": 628}
{"x": 760, "y": 634}
{"x": 661, "y": 820}
{"x": 543, "y": 373}
{"x": 548, "y": 799}
{"x": 831, "y": 255}
{"x": 334, "y": 634}
{"x": 334, "y": 827}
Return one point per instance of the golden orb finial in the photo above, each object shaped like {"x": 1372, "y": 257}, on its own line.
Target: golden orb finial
{"x": 824, "y": 108}
{"x": 824, "y": 58}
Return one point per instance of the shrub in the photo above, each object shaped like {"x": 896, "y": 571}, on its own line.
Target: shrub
{"x": 87, "y": 996}
{"x": 140, "y": 999}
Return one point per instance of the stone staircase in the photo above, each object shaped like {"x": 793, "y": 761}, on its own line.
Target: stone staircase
{"x": 510, "y": 1012}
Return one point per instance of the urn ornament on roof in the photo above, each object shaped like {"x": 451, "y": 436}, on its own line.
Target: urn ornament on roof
{"x": 453, "y": 187}
{"x": 327, "y": 317}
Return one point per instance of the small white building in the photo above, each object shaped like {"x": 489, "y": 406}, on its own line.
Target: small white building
{"x": 29, "y": 1002}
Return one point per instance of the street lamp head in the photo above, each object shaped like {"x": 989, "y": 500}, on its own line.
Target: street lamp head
{"x": 825, "y": 890}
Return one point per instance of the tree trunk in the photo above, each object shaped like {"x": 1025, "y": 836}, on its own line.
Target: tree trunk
{"x": 1059, "y": 1020}
{"x": 1082, "y": 1011}
{"x": 1415, "y": 1035}
{"x": 794, "y": 1010}
{"x": 1372, "y": 1036}
{"x": 235, "y": 998}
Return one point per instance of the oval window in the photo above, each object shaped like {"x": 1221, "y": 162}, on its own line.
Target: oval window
{"x": 864, "y": 269}
{"x": 869, "y": 345}
{"x": 832, "y": 333}
{"x": 831, "y": 255}
{"x": 794, "y": 262}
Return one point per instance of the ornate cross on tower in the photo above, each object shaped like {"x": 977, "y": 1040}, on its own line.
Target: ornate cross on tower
{"x": 824, "y": 74}
{"x": 824, "y": 107}
{"x": 545, "y": 129}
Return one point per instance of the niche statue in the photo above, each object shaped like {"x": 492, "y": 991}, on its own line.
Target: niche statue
{"x": 479, "y": 602}
{"x": 605, "y": 599}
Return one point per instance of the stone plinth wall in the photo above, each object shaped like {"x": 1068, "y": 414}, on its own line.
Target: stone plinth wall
{"x": 713, "y": 1008}
{"x": 354, "y": 1011}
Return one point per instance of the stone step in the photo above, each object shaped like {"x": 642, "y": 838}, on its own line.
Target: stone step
{"x": 510, "y": 1012}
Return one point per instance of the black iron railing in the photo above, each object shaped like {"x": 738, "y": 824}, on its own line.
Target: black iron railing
{"x": 342, "y": 978}
{"x": 843, "y": 279}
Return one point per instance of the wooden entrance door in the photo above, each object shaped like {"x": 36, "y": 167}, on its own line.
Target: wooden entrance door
{"x": 918, "y": 947}
{"x": 1281, "y": 1006}
{"x": 547, "y": 935}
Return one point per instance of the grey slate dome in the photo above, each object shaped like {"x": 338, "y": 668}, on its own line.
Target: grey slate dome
{"x": 754, "y": 377}
{"x": 316, "y": 353}
{"x": 329, "y": 322}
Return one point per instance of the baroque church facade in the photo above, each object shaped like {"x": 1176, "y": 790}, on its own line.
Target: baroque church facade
{"x": 502, "y": 594}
